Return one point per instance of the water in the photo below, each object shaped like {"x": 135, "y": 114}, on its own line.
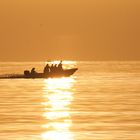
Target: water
{"x": 101, "y": 101}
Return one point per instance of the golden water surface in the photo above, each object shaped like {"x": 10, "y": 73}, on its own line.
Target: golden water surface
{"x": 101, "y": 101}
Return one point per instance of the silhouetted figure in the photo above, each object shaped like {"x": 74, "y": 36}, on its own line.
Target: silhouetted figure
{"x": 52, "y": 68}
{"x": 47, "y": 69}
{"x": 33, "y": 72}
{"x": 60, "y": 67}
{"x": 55, "y": 68}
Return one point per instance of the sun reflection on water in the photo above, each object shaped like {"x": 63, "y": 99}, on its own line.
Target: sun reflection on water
{"x": 57, "y": 101}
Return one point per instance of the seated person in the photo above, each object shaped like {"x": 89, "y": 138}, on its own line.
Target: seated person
{"x": 52, "y": 68}
{"x": 33, "y": 71}
{"x": 46, "y": 69}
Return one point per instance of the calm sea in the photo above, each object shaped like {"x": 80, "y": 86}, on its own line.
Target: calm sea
{"x": 101, "y": 101}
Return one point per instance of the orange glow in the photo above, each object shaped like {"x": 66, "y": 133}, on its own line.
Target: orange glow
{"x": 72, "y": 30}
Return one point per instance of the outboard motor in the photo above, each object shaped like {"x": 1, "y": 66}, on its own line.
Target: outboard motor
{"x": 27, "y": 73}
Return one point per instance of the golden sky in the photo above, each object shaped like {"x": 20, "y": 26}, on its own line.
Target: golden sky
{"x": 69, "y": 29}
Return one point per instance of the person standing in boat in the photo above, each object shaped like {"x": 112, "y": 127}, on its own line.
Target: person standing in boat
{"x": 46, "y": 69}
{"x": 60, "y": 66}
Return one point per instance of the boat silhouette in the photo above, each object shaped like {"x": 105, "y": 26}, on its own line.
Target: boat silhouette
{"x": 52, "y": 74}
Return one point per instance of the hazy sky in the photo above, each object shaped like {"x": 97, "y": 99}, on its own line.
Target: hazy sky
{"x": 69, "y": 29}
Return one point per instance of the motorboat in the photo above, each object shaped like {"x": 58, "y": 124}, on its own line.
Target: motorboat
{"x": 52, "y": 74}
